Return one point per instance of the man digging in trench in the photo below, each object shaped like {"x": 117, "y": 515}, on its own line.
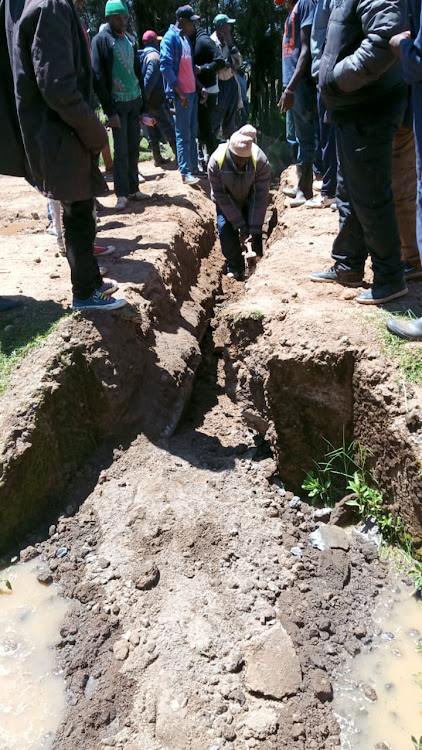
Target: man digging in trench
{"x": 239, "y": 174}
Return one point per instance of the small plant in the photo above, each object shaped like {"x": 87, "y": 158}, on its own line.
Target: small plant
{"x": 416, "y": 574}
{"x": 6, "y": 583}
{"x": 316, "y": 487}
{"x": 417, "y": 744}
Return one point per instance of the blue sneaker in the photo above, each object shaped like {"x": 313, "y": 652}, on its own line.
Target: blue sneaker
{"x": 109, "y": 286}
{"x": 98, "y": 301}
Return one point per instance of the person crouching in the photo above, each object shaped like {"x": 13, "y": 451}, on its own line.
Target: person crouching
{"x": 239, "y": 174}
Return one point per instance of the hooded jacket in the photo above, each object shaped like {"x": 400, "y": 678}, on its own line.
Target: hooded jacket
{"x": 102, "y": 65}
{"x": 171, "y": 50}
{"x": 208, "y": 57}
{"x": 357, "y": 67}
{"x": 233, "y": 189}
{"x": 153, "y": 80}
{"x": 50, "y": 133}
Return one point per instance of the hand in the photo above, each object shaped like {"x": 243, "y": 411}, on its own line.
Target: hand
{"x": 147, "y": 120}
{"x": 395, "y": 42}
{"x": 287, "y": 100}
{"x": 114, "y": 121}
{"x": 203, "y": 96}
{"x": 183, "y": 98}
{"x": 198, "y": 70}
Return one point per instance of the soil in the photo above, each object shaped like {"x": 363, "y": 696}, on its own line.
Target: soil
{"x": 203, "y": 613}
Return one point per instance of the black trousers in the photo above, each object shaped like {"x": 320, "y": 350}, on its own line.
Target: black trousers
{"x": 126, "y": 148}
{"x": 79, "y": 236}
{"x": 208, "y": 123}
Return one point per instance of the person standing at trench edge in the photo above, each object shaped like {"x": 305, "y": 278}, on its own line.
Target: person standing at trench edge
{"x": 50, "y": 134}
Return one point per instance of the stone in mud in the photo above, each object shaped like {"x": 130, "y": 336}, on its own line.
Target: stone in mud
{"x": 28, "y": 554}
{"x": 45, "y": 578}
{"x": 322, "y": 514}
{"x": 321, "y": 685}
{"x": 329, "y": 537}
{"x": 382, "y": 746}
{"x": 272, "y": 666}
{"x": 260, "y": 723}
{"x": 369, "y": 692}
{"x": 334, "y": 568}
{"x": 148, "y": 576}
{"x": 342, "y": 514}
{"x": 121, "y": 650}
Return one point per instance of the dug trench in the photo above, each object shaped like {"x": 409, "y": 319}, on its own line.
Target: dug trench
{"x": 201, "y": 615}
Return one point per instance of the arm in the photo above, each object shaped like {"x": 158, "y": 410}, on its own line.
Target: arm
{"x": 53, "y": 63}
{"x": 223, "y": 199}
{"x": 152, "y": 75}
{"x": 409, "y": 51}
{"x": 217, "y": 63}
{"x": 259, "y": 200}
{"x": 287, "y": 98}
{"x": 380, "y": 20}
{"x": 99, "y": 72}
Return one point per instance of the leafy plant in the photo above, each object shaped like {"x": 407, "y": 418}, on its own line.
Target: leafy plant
{"x": 416, "y": 574}
{"x": 417, "y": 744}
{"x": 328, "y": 482}
{"x": 6, "y": 583}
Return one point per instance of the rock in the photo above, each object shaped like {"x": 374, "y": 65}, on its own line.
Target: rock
{"x": 45, "y": 578}
{"x": 382, "y": 746}
{"x": 62, "y": 552}
{"x": 295, "y": 502}
{"x": 329, "y": 537}
{"x": 321, "y": 685}
{"x": 261, "y": 723}
{"x": 272, "y": 665}
{"x": 297, "y": 551}
{"x": 148, "y": 576}
{"x": 343, "y": 514}
{"x": 334, "y": 567}
{"x": 369, "y": 692}
{"x": 121, "y": 650}
{"x": 103, "y": 563}
{"x": 28, "y": 554}
{"x": 322, "y": 514}
{"x": 298, "y": 730}
{"x": 256, "y": 422}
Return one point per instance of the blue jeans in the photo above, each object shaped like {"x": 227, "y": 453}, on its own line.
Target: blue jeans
{"x": 329, "y": 152}
{"x": 186, "y": 134}
{"x": 300, "y": 122}
{"x": 368, "y": 222}
{"x": 230, "y": 243}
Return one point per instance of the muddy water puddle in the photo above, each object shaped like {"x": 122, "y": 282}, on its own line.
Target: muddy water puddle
{"x": 32, "y": 696}
{"x": 379, "y": 697}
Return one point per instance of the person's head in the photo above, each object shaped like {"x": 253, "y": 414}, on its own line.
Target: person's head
{"x": 240, "y": 145}
{"x": 223, "y": 24}
{"x": 186, "y": 19}
{"x": 117, "y": 15}
{"x": 150, "y": 39}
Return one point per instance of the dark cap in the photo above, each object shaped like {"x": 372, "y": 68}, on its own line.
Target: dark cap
{"x": 187, "y": 12}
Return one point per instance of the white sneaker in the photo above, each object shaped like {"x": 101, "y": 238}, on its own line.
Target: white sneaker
{"x": 334, "y": 206}
{"x": 121, "y": 203}
{"x": 320, "y": 201}
{"x": 138, "y": 196}
{"x": 141, "y": 178}
{"x": 189, "y": 179}
{"x": 317, "y": 184}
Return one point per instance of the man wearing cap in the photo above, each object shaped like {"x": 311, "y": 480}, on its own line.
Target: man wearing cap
{"x": 228, "y": 97}
{"x": 155, "y": 98}
{"x": 117, "y": 83}
{"x": 177, "y": 67}
{"x": 51, "y": 136}
{"x": 239, "y": 175}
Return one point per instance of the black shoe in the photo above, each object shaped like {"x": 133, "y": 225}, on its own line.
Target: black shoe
{"x": 339, "y": 275}
{"x": 412, "y": 272}
{"x": 406, "y": 329}
{"x": 379, "y": 294}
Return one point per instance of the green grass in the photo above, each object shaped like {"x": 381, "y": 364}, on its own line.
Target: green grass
{"x": 31, "y": 325}
{"x": 408, "y": 357}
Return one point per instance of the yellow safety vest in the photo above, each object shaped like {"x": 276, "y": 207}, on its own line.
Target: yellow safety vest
{"x": 222, "y": 149}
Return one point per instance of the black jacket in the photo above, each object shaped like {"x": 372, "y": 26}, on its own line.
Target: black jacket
{"x": 102, "y": 66}
{"x": 207, "y": 55}
{"x": 49, "y": 132}
{"x": 152, "y": 79}
{"x": 357, "y": 67}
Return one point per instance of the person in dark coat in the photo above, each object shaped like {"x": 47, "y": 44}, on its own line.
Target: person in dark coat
{"x": 208, "y": 61}
{"x": 50, "y": 132}
{"x": 118, "y": 84}
{"x": 155, "y": 98}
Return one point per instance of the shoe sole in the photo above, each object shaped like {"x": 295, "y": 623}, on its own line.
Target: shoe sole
{"x": 382, "y": 301}
{"x": 112, "y": 290}
{"x": 352, "y": 284}
{"x": 108, "y": 308}
{"x": 404, "y": 336}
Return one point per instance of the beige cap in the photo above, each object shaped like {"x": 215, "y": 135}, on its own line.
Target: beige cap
{"x": 248, "y": 130}
{"x": 240, "y": 144}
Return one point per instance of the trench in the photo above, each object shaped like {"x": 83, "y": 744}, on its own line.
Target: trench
{"x": 172, "y": 596}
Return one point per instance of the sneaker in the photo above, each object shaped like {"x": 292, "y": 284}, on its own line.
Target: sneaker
{"x": 339, "y": 275}
{"x": 412, "y": 272}
{"x": 290, "y": 192}
{"x": 141, "y": 178}
{"x": 379, "y": 294}
{"x": 317, "y": 184}
{"x": 320, "y": 201}
{"x": 237, "y": 275}
{"x": 189, "y": 179}
{"x": 103, "y": 249}
{"x": 299, "y": 200}
{"x": 121, "y": 203}
{"x": 109, "y": 286}
{"x": 98, "y": 301}
{"x": 411, "y": 330}
{"x": 138, "y": 196}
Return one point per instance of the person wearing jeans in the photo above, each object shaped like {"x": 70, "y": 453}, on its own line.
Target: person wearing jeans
{"x": 299, "y": 96}
{"x": 177, "y": 67}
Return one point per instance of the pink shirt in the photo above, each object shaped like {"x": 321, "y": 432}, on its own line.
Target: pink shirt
{"x": 186, "y": 76}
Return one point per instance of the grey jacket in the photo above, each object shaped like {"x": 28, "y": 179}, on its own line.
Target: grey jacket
{"x": 319, "y": 34}
{"x": 46, "y": 94}
{"x": 357, "y": 67}
{"x": 235, "y": 189}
